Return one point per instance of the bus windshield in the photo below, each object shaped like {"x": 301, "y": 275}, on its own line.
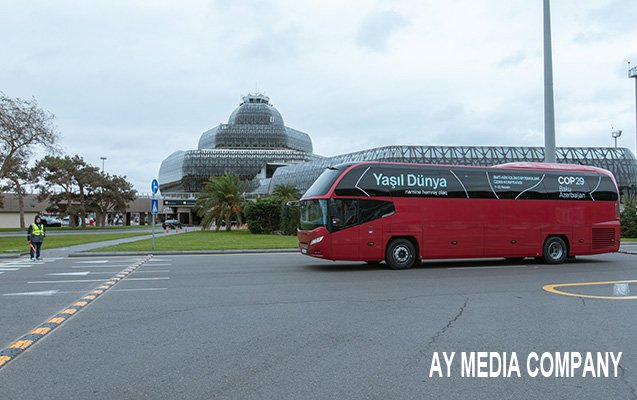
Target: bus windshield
{"x": 313, "y": 214}
{"x": 323, "y": 183}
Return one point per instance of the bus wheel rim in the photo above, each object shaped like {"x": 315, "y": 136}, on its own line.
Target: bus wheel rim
{"x": 401, "y": 254}
{"x": 555, "y": 251}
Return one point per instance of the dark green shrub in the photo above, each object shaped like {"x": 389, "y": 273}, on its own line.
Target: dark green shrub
{"x": 264, "y": 215}
{"x": 629, "y": 220}
{"x": 290, "y": 216}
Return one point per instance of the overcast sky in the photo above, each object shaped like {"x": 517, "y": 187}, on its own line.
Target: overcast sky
{"x": 134, "y": 81}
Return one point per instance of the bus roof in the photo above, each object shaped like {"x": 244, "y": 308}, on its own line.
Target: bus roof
{"x": 512, "y": 165}
{"x": 554, "y": 167}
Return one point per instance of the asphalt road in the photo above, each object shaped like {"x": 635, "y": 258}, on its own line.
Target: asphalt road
{"x": 285, "y": 326}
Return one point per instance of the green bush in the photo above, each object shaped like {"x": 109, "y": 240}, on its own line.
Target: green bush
{"x": 264, "y": 215}
{"x": 290, "y": 217}
{"x": 629, "y": 220}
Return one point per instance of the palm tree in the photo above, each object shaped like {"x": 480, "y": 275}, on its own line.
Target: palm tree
{"x": 221, "y": 199}
{"x": 286, "y": 192}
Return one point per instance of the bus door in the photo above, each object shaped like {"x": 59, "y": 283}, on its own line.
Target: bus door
{"x": 345, "y": 232}
{"x": 371, "y": 215}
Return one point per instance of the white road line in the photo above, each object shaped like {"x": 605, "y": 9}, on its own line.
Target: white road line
{"x": 113, "y": 290}
{"x": 152, "y": 271}
{"x": 71, "y": 281}
{"x": 147, "y": 279}
{"x": 100, "y": 266}
{"x": 43, "y": 293}
{"x": 8, "y": 269}
{"x": 158, "y": 265}
{"x": 93, "y": 262}
{"x": 498, "y": 267}
{"x": 101, "y": 280}
{"x": 83, "y": 273}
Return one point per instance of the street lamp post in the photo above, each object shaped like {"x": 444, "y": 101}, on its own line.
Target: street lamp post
{"x": 615, "y": 133}
{"x": 632, "y": 73}
{"x": 549, "y": 109}
{"x": 103, "y": 159}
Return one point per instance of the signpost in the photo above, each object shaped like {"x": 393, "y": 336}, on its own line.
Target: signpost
{"x": 154, "y": 206}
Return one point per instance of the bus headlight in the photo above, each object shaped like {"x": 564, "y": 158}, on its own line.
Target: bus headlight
{"x": 316, "y": 240}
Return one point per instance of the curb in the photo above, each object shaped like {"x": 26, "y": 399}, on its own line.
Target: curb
{"x": 181, "y": 252}
{"x": 12, "y": 255}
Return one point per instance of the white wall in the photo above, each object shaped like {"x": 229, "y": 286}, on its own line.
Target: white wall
{"x": 12, "y": 220}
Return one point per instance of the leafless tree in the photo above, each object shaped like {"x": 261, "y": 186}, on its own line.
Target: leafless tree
{"x": 23, "y": 127}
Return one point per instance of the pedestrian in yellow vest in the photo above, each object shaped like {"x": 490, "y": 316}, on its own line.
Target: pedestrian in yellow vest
{"x": 35, "y": 236}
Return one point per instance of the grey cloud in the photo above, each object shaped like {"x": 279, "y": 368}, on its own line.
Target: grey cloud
{"x": 512, "y": 60}
{"x": 273, "y": 45}
{"x": 376, "y": 29}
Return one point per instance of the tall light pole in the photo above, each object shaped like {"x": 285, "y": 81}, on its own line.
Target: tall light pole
{"x": 632, "y": 73}
{"x": 549, "y": 110}
{"x": 615, "y": 133}
{"x": 103, "y": 159}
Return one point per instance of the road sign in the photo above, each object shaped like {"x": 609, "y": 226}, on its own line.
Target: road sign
{"x": 154, "y": 185}
{"x": 154, "y": 206}
{"x": 179, "y": 202}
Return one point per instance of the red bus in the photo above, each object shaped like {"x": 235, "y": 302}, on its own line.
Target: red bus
{"x": 403, "y": 213}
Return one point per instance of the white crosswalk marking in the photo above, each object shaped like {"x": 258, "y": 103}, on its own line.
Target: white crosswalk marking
{"x": 83, "y": 273}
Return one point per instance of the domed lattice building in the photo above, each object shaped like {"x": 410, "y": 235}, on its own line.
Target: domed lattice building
{"x": 253, "y": 144}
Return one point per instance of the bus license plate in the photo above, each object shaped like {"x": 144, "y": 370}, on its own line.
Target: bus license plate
{"x": 303, "y": 248}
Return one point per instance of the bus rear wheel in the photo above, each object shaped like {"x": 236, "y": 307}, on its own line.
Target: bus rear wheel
{"x": 555, "y": 250}
{"x": 400, "y": 254}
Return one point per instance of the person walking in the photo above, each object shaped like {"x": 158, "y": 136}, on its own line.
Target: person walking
{"x": 35, "y": 236}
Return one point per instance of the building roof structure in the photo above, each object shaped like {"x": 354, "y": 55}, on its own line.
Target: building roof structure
{"x": 253, "y": 144}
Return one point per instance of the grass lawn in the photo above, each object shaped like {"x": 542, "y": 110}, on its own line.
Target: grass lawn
{"x": 80, "y": 229}
{"x": 209, "y": 240}
{"x": 19, "y": 244}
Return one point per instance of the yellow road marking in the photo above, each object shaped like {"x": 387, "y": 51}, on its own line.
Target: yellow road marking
{"x": 21, "y": 344}
{"x": 24, "y": 344}
{"x": 552, "y": 288}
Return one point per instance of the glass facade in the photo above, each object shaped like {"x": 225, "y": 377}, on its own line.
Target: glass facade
{"x": 620, "y": 161}
{"x": 253, "y": 144}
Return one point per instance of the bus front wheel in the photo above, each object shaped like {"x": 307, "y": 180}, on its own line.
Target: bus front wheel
{"x": 400, "y": 254}
{"x": 555, "y": 250}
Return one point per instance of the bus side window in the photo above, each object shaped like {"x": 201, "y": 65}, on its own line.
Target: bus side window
{"x": 371, "y": 210}
{"x": 344, "y": 213}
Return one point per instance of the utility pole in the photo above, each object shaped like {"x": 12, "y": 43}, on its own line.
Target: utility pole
{"x": 549, "y": 109}
{"x": 632, "y": 73}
